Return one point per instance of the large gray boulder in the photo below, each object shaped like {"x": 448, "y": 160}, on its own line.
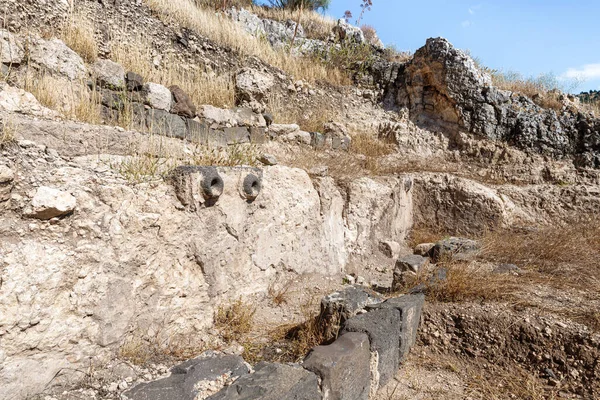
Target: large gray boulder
{"x": 196, "y": 378}
{"x": 109, "y": 74}
{"x": 346, "y": 32}
{"x": 383, "y": 326}
{"x": 160, "y": 122}
{"x": 344, "y": 367}
{"x": 273, "y": 382}
{"x": 348, "y": 302}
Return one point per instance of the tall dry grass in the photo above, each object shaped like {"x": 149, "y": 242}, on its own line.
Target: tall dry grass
{"x": 202, "y": 87}
{"x": 78, "y": 33}
{"x": 315, "y": 25}
{"x": 227, "y": 33}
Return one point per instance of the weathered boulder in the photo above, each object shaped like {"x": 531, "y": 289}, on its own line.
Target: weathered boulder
{"x": 273, "y": 382}
{"x": 252, "y": 87}
{"x": 196, "y": 378}
{"x": 383, "y": 327}
{"x": 343, "y": 366}
{"x": 7, "y": 176}
{"x": 422, "y": 249}
{"x": 413, "y": 263}
{"x": 390, "y": 248}
{"x": 49, "y": 203}
{"x": 410, "y": 308}
{"x": 454, "y": 247}
{"x": 11, "y": 48}
{"x": 268, "y": 159}
{"x": 224, "y": 118}
{"x": 276, "y": 130}
{"x": 182, "y": 103}
{"x": 55, "y": 57}
{"x": 13, "y": 99}
{"x": 157, "y": 96}
{"x": 109, "y": 74}
{"x": 346, "y": 32}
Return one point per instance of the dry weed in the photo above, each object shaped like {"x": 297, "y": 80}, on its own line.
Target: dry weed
{"x": 370, "y": 146}
{"x": 234, "y": 320}
{"x": 315, "y": 25}
{"x": 465, "y": 282}
{"x": 227, "y": 33}
{"x": 279, "y": 295}
{"x": 78, "y": 34}
{"x": 7, "y": 133}
{"x": 43, "y": 88}
{"x": 514, "y": 382}
{"x": 553, "y": 251}
{"x": 160, "y": 348}
{"x": 202, "y": 87}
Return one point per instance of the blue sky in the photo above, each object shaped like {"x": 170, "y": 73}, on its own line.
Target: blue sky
{"x": 528, "y": 36}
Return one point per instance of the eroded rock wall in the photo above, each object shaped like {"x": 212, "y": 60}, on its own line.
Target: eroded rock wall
{"x": 126, "y": 259}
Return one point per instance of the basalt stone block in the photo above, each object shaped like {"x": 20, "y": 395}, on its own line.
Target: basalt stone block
{"x": 112, "y": 99}
{"x": 135, "y": 82}
{"x": 258, "y": 135}
{"x": 383, "y": 327}
{"x": 237, "y": 135}
{"x": 197, "y": 132}
{"x": 410, "y": 308}
{"x": 347, "y": 302}
{"x": 317, "y": 140}
{"x": 344, "y": 367}
{"x": 160, "y": 122}
{"x": 273, "y": 382}
{"x": 192, "y": 379}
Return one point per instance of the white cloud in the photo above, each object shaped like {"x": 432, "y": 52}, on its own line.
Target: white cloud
{"x": 471, "y": 11}
{"x": 466, "y": 24}
{"x": 588, "y": 71}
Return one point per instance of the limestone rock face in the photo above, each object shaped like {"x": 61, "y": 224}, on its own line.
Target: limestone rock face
{"x": 49, "y": 203}
{"x": 443, "y": 89}
{"x": 450, "y": 202}
{"x": 252, "y": 87}
{"x": 135, "y": 258}
{"x": 11, "y": 48}
{"x": 56, "y": 58}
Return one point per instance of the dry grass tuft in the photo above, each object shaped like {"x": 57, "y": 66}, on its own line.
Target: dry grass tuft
{"x": 43, "y": 87}
{"x": 225, "y": 32}
{"x": 314, "y": 331}
{"x": 161, "y": 348}
{"x": 234, "y": 155}
{"x": 554, "y": 251}
{"x": 465, "y": 282}
{"x": 279, "y": 295}
{"x": 234, "y": 320}
{"x": 78, "y": 34}
{"x": 202, "y": 87}
{"x": 370, "y": 146}
{"x": 7, "y": 133}
{"x": 514, "y": 382}
{"x": 315, "y": 25}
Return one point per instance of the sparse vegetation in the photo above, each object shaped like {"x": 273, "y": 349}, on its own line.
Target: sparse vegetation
{"x": 78, "y": 34}
{"x": 227, "y": 33}
{"x": 234, "y": 320}
{"x": 7, "y": 133}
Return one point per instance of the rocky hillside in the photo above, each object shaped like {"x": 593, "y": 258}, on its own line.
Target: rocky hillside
{"x": 180, "y": 187}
